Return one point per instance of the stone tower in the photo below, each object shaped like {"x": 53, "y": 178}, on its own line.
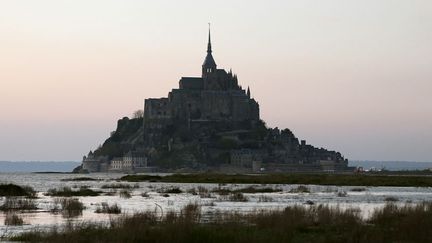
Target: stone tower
{"x": 209, "y": 69}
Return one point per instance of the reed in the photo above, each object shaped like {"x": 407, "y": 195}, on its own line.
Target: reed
{"x": 406, "y": 223}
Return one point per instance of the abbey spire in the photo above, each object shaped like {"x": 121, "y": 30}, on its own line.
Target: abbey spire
{"x": 209, "y": 65}
{"x": 209, "y": 49}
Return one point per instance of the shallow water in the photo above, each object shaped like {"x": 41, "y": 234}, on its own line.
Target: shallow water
{"x": 365, "y": 201}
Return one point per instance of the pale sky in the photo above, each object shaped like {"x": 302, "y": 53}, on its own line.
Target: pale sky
{"x": 348, "y": 75}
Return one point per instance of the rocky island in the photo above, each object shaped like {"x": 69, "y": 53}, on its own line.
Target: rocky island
{"x": 208, "y": 123}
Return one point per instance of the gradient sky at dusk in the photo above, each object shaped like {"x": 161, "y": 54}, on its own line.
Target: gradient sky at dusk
{"x": 347, "y": 75}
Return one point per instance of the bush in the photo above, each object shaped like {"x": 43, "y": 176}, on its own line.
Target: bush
{"x": 105, "y": 208}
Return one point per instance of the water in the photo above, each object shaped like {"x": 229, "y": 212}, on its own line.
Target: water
{"x": 37, "y": 166}
{"x": 366, "y": 201}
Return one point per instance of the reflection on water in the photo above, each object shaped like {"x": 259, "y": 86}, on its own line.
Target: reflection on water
{"x": 147, "y": 196}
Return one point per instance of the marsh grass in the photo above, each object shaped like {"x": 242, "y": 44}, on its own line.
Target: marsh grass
{"x": 125, "y": 193}
{"x": 249, "y": 189}
{"x": 12, "y": 190}
{"x": 342, "y": 194}
{"x": 252, "y": 189}
{"x": 120, "y": 186}
{"x": 264, "y": 198}
{"x": 69, "y": 207}
{"x": 300, "y": 189}
{"x": 111, "y": 192}
{"x": 80, "y": 179}
{"x": 204, "y": 192}
{"x": 18, "y": 203}
{"x": 358, "y": 189}
{"x": 13, "y": 219}
{"x": 68, "y": 192}
{"x": 172, "y": 190}
{"x": 237, "y": 197}
{"x": 391, "y": 199}
{"x": 108, "y": 209}
{"x": 292, "y": 178}
{"x": 222, "y": 191}
{"x": 292, "y": 224}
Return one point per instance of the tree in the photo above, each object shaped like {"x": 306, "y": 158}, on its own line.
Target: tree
{"x": 138, "y": 114}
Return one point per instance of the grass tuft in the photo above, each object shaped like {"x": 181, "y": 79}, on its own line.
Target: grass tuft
{"x": 125, "y": 193}
{"x": 105, "y": 208}
{"x": 69, "y": 207}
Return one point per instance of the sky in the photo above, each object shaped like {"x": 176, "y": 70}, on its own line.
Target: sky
{"x": 347, "y": 75}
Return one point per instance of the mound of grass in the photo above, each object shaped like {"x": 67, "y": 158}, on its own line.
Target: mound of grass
{"x": 12, "y": 190}
{"x": 105, "y": 208}
{"x": 68, "y": 192}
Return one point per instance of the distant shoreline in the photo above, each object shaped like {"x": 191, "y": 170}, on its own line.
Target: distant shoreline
{"x": 68, "y": 166}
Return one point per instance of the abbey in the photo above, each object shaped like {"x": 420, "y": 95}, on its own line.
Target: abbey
{"x": 213, "y": 97}
{"x": 208, "y": 123}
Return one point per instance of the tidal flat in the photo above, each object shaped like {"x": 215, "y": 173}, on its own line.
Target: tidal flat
{"x": 119, "y": 199}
